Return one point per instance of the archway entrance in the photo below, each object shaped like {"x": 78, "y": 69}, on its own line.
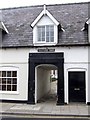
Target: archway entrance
{"x": 46, "y": 83}
{"x": 36, "y": 59}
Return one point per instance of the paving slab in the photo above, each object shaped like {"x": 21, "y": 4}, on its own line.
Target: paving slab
{"x": 45, "y": 109}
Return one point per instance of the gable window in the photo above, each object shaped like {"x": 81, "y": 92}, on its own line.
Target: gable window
{"x": 46, "y": 33}
{"x": 8, "y": 80}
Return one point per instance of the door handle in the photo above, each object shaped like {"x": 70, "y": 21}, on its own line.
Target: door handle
{"x": 31, "y": 89}
{"x": 77, "y": 89}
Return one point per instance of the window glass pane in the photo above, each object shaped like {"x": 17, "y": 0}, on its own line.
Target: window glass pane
{"x": 0, "y": 74}
{"x": 51, "y": 28}
{"x": 39, "y": 37}
{"x": 8, "y": 73}
{"x": 3, "y": 73}
{"x": 14, "y": 81}
{"x": 0, "y": 80}
{"x": 9, "y": 80}
{"x": 8, "y": 87}
{"x": 47, "y": 33}
{"x": 3, "y": 80}
{"x": 47, "y": 38}
{"x": 39, "y": 33}
{"x": 0, "y": 87}
{"x": 14, "y": 87}
{"x": 43, "y": 38}
{"x": 3, "y": 87}
{"x": 14, "y": 73}
{"x": 47, "y": 27}
{"x": 43, "y": 33}
{"x": 43, "y": 28}
{"x": 52, "y": 33}
{"x": 52, "y": 39}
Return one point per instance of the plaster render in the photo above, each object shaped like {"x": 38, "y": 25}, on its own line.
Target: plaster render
{"x": 75, "y": 58}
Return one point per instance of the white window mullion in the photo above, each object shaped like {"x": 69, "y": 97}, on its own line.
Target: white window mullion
{"x": 6, "y": 84}
{"x": 45, "y": 33}
{"x": 49, "y": 34}
{"x": 11, "y": 81}
{"x": 41, "y": 35}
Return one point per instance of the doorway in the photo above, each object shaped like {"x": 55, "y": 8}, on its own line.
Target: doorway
{"x": 37, "y": 59}
{"x": 77, "y": 90}
{"x": 46, "y": 83}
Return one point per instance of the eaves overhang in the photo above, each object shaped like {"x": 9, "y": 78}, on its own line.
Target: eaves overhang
{"x": 58, "y": 45}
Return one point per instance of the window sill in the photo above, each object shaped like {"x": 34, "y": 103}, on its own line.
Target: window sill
{"x": 44, "y": 44}
{"x": 9, "y": 92}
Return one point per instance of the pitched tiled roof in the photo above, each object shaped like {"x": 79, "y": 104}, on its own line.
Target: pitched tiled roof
{"x": 71, "y": 16}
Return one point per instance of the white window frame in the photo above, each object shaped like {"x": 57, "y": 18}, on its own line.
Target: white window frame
{"x": 44, "y": 22}
{"x": 11, "y": 69}
{"x": 45, "y": 41}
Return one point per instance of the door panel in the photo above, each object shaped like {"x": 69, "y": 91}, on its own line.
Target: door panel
{"x": 76, "y": 86}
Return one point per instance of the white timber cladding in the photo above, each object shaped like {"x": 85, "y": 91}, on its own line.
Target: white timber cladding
{"x": 75, "y": 58}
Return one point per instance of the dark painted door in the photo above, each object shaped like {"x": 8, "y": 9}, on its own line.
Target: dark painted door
{"x": 76, "y": 86}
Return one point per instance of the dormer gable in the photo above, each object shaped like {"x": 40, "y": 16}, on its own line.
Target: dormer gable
{"x": 45, "y": 12}
{"x": 45, "y": 29}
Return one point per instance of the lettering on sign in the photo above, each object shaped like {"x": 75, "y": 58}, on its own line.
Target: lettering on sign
{"x": 46, "y": 50}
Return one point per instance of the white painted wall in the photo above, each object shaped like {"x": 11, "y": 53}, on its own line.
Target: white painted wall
{"x": 89, "y": 63}
{"x": 89, "y": 31}
{"x": 16, "y": 58}
{"x": 45, "y": 20}
{"x": 75, "y": 58}
{"x": 43, "y": 82}
{"x": 89, "y": 74}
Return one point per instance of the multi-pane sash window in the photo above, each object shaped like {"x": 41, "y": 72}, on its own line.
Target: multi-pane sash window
{"x": 46, "y": 33}
{"x": 8, "y": 80}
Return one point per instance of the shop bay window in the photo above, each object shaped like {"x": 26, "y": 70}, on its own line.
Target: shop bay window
{"x": 8, "y": 80}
